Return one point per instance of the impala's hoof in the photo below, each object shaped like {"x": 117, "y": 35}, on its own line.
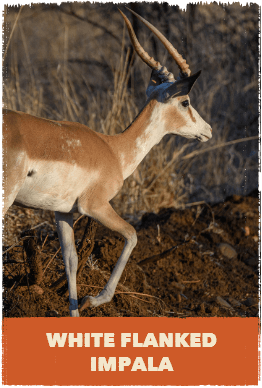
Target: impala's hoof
{"x": 87, "y": 301}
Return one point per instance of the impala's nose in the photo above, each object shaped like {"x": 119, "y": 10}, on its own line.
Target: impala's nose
{"x": 207, "y": 134}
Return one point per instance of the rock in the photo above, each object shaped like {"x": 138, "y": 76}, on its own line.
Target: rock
{"x": 222, "y": 302}
{"x": 234, "y": 302}
{"x": 227, "y": 250}
{"x": 37, "y": 289}
{"x": 217, "y": 230}
{"x": 249, "y": 302}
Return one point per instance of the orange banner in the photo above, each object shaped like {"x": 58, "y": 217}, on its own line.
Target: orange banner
{"x": 130, "y": 351}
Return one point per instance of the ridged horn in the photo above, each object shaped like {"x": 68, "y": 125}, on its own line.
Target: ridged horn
{"x": 180, "y": 61}
{"x": 137, "y": 46}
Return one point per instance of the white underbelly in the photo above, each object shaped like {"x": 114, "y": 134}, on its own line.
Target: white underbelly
{"x": 45, "y": 201}
{"x": 53, "y": 187}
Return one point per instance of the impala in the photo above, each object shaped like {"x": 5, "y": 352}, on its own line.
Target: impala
{"x": 67, "y": 167}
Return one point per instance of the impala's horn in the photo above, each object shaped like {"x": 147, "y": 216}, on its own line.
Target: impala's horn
{"x": 181, "y": 87}
{"x": 180, "y": 61}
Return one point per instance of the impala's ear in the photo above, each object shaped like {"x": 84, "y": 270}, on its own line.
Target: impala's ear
{"x": 154, "y": 81}
{"x": 181, "y": 87}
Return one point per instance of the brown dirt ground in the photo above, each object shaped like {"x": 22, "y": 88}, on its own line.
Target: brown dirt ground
{"x": 198, "y": 278}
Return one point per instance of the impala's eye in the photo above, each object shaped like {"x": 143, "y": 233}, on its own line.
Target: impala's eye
{"x": 185, "y": 103}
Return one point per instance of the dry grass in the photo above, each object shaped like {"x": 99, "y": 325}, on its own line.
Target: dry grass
{"x": 61, "y": 67}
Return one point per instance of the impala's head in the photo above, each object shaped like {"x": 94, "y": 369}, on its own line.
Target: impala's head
{"x": 177, "y": 114}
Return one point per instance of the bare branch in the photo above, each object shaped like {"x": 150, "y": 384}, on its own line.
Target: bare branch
{"x": 85, "y": 19}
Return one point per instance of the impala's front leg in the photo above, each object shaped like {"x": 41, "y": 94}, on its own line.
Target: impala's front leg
{"x": 64, "y": 224}
{"x": 109, "y": 218}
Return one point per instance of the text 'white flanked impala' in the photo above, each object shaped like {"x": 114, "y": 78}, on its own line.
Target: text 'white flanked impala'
{"x": 67, "y": 167}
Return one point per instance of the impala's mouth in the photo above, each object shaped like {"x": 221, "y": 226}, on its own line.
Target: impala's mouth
{"x": 203, "y": 138}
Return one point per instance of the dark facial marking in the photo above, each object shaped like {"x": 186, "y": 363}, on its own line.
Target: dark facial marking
{"x": 191, "y": 115}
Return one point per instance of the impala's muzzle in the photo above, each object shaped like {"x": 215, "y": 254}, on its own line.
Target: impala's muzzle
{"x": 205, "y": 135}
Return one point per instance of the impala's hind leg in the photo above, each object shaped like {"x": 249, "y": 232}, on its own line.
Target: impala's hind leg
{"x": 109, "y": 218}
{"x": 64, "y": 224}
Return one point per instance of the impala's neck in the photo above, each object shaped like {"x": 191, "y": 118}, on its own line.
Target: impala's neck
{"x": 136, "y": 141}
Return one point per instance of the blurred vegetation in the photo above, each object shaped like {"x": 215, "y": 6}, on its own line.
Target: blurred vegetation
{"x": 74, "y": 62}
